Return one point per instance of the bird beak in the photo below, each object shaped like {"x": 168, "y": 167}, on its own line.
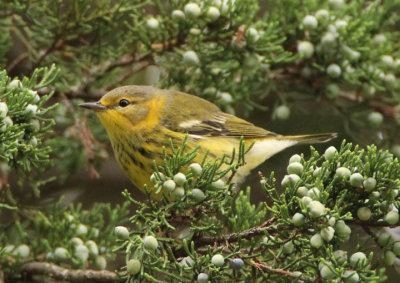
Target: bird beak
{"x": 96, "y": 106}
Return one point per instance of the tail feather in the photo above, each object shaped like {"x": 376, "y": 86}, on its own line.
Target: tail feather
{"x": 307, "y": 139}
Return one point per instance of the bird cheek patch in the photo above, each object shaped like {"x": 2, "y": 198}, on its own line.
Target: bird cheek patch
{"x": 141, "y": 113}
{"x": 134, "y": 115}
{"x": 154, "y": 107}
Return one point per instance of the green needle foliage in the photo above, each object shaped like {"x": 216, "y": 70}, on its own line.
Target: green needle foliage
{"x": 269, "y": 238}
{"x": 68, "y": 236}
{"x": 288, "y": 58}
{"x": 24, "y": 124}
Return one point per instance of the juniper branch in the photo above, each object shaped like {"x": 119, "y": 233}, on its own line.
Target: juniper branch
{"x": 246, "y": 234}
{"x": 287, "y": 273}
{"x": 71, "y": 275}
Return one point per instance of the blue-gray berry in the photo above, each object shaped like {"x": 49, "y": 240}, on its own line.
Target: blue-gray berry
{"x": 237, "y": 263}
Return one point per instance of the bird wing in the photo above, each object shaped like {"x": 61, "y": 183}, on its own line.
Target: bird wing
{"x": 195, "y": 116}
{"x": 226, "y": 125}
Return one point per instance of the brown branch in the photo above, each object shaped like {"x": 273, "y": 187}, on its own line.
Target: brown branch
{"x": 371, "y": 223}
{"x": 76, "y": 93}
{"x": 17, "y": 61}
{"x": 56, "y": 45}
{"x": 234, "y": 237}
{"x": 167, "y": 45}
{"x": 87, "y": 94}
{"x": 354, "y": 97}
{"x": 90, "y": 95}
{"x": 126, "y": 60}
{"x": 370, "y": 233}
{"x": 142, "y": 65}
{"x": 85, "y": 135}
{"x": 263, "y": 267}
{"x": 3, "y": 179}
{"x": 71, "y": 275}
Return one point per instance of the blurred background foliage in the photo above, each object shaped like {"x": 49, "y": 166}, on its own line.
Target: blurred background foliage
{"x": 289, "y": 66}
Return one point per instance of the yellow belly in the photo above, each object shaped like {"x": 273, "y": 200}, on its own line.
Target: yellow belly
{"x": 137, "y": 159}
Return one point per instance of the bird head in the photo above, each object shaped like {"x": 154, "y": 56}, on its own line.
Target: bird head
{"x": 126, "y": 107}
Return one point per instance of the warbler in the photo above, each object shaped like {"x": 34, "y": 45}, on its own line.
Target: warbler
{"x": 141, "y": 120}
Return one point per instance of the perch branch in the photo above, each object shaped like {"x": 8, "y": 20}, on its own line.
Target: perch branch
{"x": 246, "y": 234}
{"x": 70, "y": 275}
{"x": 263, "y": 267}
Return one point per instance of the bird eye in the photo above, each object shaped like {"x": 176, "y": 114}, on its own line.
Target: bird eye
{"x": 123, "y": 103}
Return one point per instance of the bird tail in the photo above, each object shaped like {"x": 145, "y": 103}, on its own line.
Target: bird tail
{"x": 308, "y": 139}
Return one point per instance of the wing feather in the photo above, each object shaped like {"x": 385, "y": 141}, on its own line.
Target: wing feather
{"x": 206, "y": 119}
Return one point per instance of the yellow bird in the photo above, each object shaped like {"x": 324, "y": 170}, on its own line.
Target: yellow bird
{"x": 140, "y": 120}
